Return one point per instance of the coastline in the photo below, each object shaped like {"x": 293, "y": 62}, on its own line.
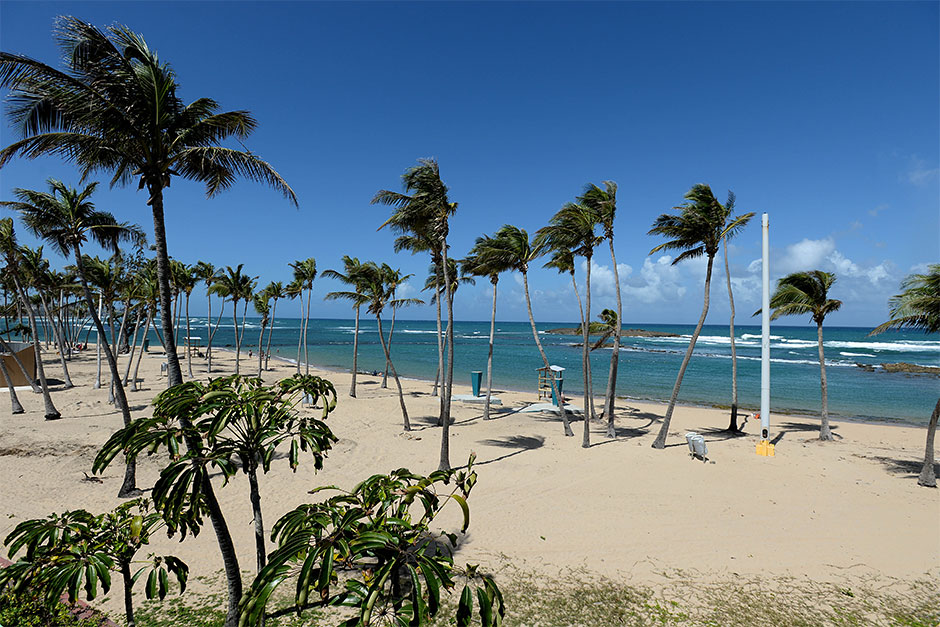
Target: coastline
{"x": 742, "y": 409}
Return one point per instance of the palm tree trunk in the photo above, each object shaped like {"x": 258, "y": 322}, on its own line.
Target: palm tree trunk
{"x": 218, "y": 321}
{"x": 189, "y": 349}
{"x": 440, "y": 343}
{"x": 130, "y": 357}
{"x": 128, "y": 597}
{"x": 208, "y": 330}
{"x": 140, "y": 353}
{"x": 928, "y": 477}
{"x": 255, "y": 496}
{"x": 233, "y": 575}
{"x": 261, "y": 348}
{"x": 19, "y": 364}
{"x": 267, "y": 351}
{"x": 660, "y": 441}
{"x": 538, "y": 344}
{"x": 355, "y": 368}
{"x": 98, "y": 340}
{"x": 733, "y": 426}
{"x": 14, "y": 401}
{"x": 129, "y": 487}
{"x": 615, "y": 355}
{"x": 306, "y": 325}
{"x": 238, "y": 343}
{"x": 174, "y": 372}
{"x": 586, "y": 356}
{"x": 388, "y": 360}
{"x": 111, "y": 345}
{"x": 448, "y": 383}
{"x": 585, "y": 367}
{"x": 489, "y": 357}
{"x": 300, "y": 338}
{"x": 391, "y": 332}
{"x": 60, "y": 342}
{"x": 824, "y": 432}
{"x": 51, "y": 412}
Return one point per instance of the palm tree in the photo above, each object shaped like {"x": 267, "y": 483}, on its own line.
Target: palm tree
{"x": 11, "y": 253}
{"x": 487, "y": 259}
{"x": 186, "y": 280}
{"x": 698, "y": 229}
{"x": 305, "y": 272}
{"x": 107, "y": 278}
{"x": 378, "y": 292}
{"x": 261, "y": 302}
{"x": 573, "y": 228}
{"x": 275, "y": 291}
{"x": 604, "y": 203}
{"x": 66, "y": 218}
{"x": 808, "y": 293}
{"x": 234, "y": 285}
{"x": 294, "y": 290}
{"x": 918, "y": 307}
{"x": 352, "y": 277}
{"x": 435, "y": 284}
{"x": 733, "y": 425}
{"x": 423, "y": 210}
{"x": 207, "y": 273}
{"x": 37, "y": 274}
{"x": 518, "y": 253}
{"x": 114, "y": 108}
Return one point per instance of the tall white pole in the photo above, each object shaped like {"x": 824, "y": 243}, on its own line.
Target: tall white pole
{"x": 765, "y": 331}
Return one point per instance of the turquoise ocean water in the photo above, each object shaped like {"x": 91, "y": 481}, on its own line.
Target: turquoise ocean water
{"x": 648, "y": 366}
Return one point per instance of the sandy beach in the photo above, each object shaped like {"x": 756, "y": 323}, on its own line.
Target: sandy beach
{"x": 825, "y": 511}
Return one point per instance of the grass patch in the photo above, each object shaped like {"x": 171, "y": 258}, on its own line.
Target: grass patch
{"x": 582, "y": 599}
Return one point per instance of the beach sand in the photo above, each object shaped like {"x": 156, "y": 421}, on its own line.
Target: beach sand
{"x": 825, "y": 511}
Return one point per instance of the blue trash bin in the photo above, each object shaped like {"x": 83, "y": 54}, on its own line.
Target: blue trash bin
{"x": 476, "y": 379}
{"x": 146, "y": 344}
{"x": 559, "y": 383}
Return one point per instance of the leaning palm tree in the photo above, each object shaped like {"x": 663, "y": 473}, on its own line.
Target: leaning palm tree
{"x": 351, "y": 276}
{"x": 305, "y": 272}
{"x": 207, "y": 273}
{"x": 236, "y": 286}
{"x": 733, "y": 425}
{"x": 275, "y": 291}
{"x": 808, "y": 293}
{"x": 12, "y": 254}
{"x": 378, "y": 292}
{"x": 66, "y": 218}
{"x": 486, "y": 259}
{"x": 604, "y": 203}
{"x": 186, "y": 279}
{"x": 917, "y": 307}
{"x": 698, "y": 229}
{"x": 435, "y": 284}
{"x": 573, "y": 228}
{"x": 518, "y": 252}
{"x": 423, "y": 210}
{"x": 262, "y": 304}
{"x": 37, "y": 274}
{"x": 114, "y": 108}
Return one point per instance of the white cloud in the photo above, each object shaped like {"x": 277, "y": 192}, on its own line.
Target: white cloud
{"x": 755, "y": 265}
{"x": 807, "y": 254}
{"x": 920, "y": 174}
{"x": 602, "y": 278}
{"x": 658, "y": 281}
{"x": 845, "y": 267}
{"x": 874, "y": 212}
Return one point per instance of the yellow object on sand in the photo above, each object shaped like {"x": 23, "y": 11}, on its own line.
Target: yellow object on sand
{"x": 765, "y": 448}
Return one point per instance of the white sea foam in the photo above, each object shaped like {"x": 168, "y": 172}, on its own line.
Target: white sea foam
{"x": 910, "y": 346}
{"x": 844, "y": 354}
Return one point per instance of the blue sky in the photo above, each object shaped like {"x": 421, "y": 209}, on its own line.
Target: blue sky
{"x": 824, "y": 115}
